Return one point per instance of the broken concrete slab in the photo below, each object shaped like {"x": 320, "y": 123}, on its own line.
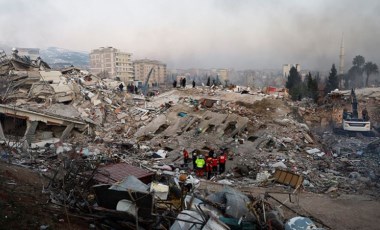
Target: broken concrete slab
{"x": 36, "y": 116}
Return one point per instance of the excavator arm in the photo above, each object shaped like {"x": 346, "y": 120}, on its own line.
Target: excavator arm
{"x": 146, "y": 84}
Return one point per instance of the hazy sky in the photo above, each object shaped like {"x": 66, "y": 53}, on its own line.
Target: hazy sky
{"x": 238, "y": 34}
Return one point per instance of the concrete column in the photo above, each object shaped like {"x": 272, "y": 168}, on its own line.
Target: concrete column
{"x": 66, "y": 132}
{"x": 2, "y": 136}
{"x": 31, "y": 127}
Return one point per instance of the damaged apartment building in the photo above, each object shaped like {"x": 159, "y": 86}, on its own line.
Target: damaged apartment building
{"x": 35, "y": 98}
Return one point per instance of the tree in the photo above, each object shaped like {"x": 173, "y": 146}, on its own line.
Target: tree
{"x": 312, "y": 87}
{"x": 208, "y": 81}
{"x": 294, "y": 78}
{"x": 353, "y": 78}
{"x": 294, "y": 84}
{"x": 370, "y": 68}
{"x": 309, "y": 81}
{"x": 217, "y": 81}
{"x": 358, "y": 61}
{"x": 333, "y": 81}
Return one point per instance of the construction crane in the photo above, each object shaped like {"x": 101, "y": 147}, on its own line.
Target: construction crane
{"x": 146, "y": 84}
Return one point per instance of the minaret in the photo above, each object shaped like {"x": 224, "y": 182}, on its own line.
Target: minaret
{"x": 341, "y": 57}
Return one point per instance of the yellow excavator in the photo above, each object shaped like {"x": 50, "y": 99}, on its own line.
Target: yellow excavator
{"x": 351, "y": 123}
{"x": 145, "y": 88}
{"x": 351, "y": 120}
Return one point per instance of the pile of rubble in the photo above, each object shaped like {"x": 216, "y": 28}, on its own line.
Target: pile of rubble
{"x": 116, "y": 158}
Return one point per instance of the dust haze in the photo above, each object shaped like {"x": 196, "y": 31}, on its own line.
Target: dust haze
{"x": 204, "y": 34}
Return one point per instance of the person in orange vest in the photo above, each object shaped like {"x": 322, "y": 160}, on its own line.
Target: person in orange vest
{"x": 209, "y": 167}
{"x": 222, "y": 163}
{"x": 185, "y": 156}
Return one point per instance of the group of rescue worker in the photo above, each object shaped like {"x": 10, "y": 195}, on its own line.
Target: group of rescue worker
{"x": 211, "y": 162}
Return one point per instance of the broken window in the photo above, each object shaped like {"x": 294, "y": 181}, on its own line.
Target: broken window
{"x": 252, "y": 138}
{"x": 161, "y": 129}
{"x": 207, "y": 118}
{"x": 210, "y": 129}
{"x": 13, "y": 126}
{"x": 230, "y": 128}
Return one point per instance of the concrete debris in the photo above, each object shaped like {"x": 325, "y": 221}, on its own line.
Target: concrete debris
{"x": 263, "y": 176}
{"x": 313, "y": 151}
{"x": 300, "y": 223}
{"x": 123, "y": 159}
{"x": 279, "y": 165}
{"x": 160, "y": 191}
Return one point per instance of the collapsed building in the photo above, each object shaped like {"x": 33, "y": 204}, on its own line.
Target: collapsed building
{"x": 115, "y": 158}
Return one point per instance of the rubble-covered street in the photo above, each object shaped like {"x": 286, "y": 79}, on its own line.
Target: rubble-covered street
{"x": 78, "y": 152}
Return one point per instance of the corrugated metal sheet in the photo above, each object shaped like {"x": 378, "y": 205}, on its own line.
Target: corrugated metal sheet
{"x": 288, "y": 178}
{"x": 118, "y": 172}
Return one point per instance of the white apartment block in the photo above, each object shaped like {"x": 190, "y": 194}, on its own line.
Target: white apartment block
{"x": 142, "y": 68}
{"x": 118, "y": 64}
{"x": 286, "y": 68}
{"x": 223, "y": 75}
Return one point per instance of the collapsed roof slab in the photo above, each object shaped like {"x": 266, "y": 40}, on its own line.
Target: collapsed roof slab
{"x": 35, "y": 116}
{"x": 223, "y": 124}
{"x": 239, "y": 122}
{"x": 210, "y": 122}
{"x": 51, "y": 76}
{"x": 211, "y": 119}
{"x": 178, "y": 124}
{"x": 152, "y": 127}
{"x": 190, "y": 123}
{"x": 174, "y": 125}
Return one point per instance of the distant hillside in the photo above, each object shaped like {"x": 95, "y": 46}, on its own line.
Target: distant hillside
{"x": 6, "y": 48}
{"x": 57, "y": 57}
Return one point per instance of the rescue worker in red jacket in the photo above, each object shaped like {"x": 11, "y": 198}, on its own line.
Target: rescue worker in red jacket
{"x": 222, "y": 163}
{"x": 209, "y": 167}
{"x": 185, "y": 156}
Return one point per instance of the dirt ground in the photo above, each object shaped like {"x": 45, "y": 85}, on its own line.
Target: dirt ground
{"x": 23, "y": 204}
{"x": 346, "y": 212}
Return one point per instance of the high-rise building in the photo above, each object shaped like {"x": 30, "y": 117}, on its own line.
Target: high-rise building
{"x": 286, "y": 69}
{"x": 142, "y": 68}
{"x": 116, "y": 63}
